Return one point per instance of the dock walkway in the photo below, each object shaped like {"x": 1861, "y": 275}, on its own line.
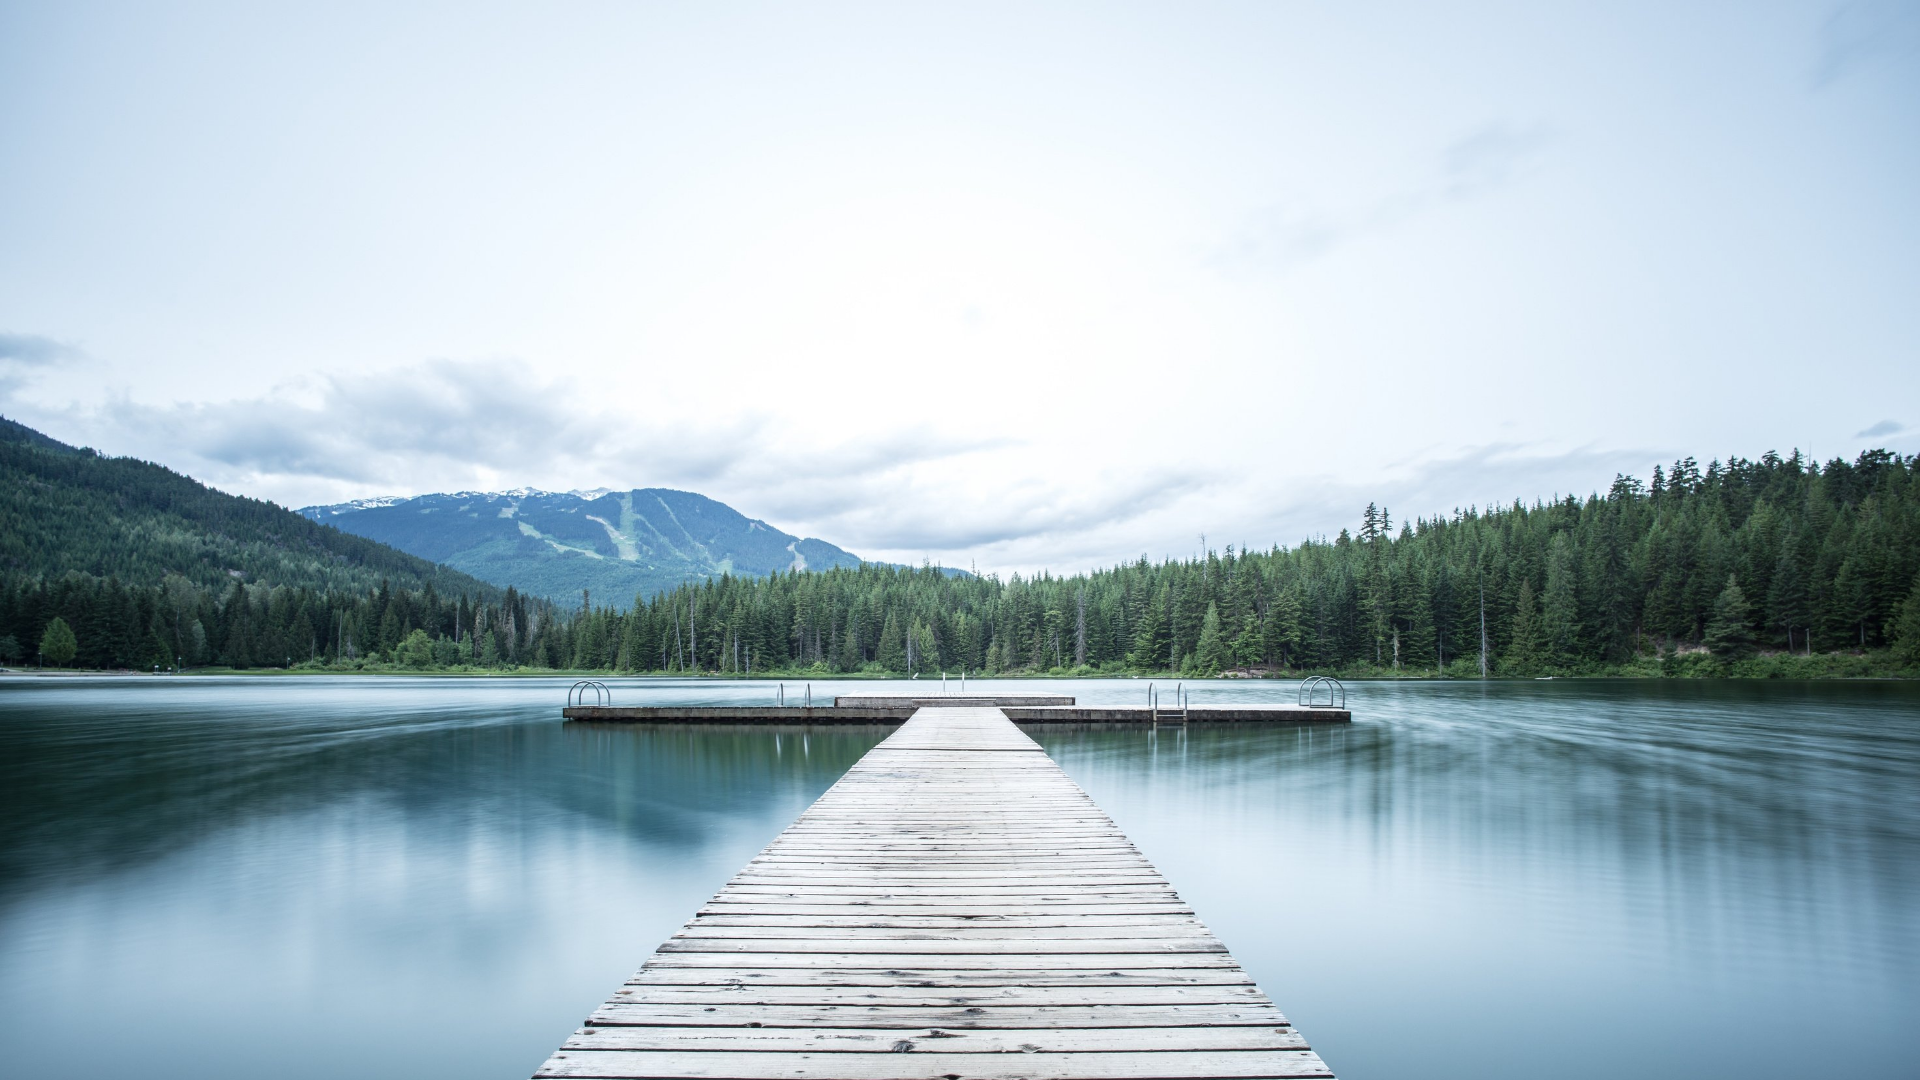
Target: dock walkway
{"x": 954, "y": 908}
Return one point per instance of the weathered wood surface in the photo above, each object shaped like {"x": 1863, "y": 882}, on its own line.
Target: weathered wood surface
{"x": 736, "y": 714}
{"x": 1197, "y": 714}
{"x": 954, "y": 700}
{"x": 955, "y": 908}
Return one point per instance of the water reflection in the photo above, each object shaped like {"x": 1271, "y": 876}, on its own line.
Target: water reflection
{"x": 306, "y": 878}
{"x": 435, "y": 877}
{"x": 1539, "y": 865}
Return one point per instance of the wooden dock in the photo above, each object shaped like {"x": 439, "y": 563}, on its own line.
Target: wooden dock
{"x": 954, "y": 908}
{"x": 868, "y": 713}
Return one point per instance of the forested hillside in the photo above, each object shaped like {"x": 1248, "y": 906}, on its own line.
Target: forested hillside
{"x": 1698, "y": 567}
{"x": 1773, "y": 566}
{"x": 144, "y": 565}
{"x": 71, "y": 509}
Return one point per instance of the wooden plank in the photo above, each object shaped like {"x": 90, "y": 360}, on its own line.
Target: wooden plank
{"x": 819, "y": 1038}
{"x": 929, "y": 944}
{"x": 893, "y": 921}
{"x": 954, "y": 907}
{"x": 985, "y": 998}
{"x": 938, "y": 961}
{"x": 986, "y": 860}
{"x": 869, "y": 898}
{"x": 960, "y": 879}
{"x": 950, "y": 1016}
{"x": 917, "y": 1065}
{"x": 705, "y": 930}
{"x": 1039, "y": 891}
{"x": 1010, "y": 975}
{"x": 976, "y": 844}
{"x": 741, "y": 908}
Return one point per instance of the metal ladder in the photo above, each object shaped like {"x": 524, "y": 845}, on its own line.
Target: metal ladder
{"x": 1310, "y": 690}
{"x": 577, "y": 693}
{"x": 1169, "y": 716}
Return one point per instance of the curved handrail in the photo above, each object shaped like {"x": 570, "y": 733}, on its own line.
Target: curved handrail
{"x": 577, "y": 693}
{"x": 1310, "y": 689}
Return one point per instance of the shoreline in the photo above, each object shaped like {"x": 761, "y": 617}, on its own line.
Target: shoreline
{"x": 804, "y": 676}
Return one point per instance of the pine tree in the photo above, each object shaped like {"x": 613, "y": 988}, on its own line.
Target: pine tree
{"x": 1523, "y": 650}
{"x": 1211, "y": 653}
{"x": 891, "y": 651}
{"x": 1560, "y": 614}
{"x": 926, "y": 648}
{"x": 1728, "y": 634}
{"x": 1153, "y": 639}
{"x": 1282, "y": 634}
{"x": 1906, "y": 626}
{"x": 390, "y": 629}
{"x": 1787, "y": 592}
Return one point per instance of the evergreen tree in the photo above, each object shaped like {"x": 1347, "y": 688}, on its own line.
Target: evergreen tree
{"x": 1281, "y": 639}
{"x": 891, "y": 650}
{"x": 1523, "y": 649}
{"x": 1787, "y": 592}
{"x": 1728, "y": 635}
{"x": 926, "y": 648}
{"x": 1153, "y": 640}
{"x": 1906, "y": 628}
{"x": 389, "y": 630}
{"x": 1560, "y": 614}
{"x": 1211, "y": 652}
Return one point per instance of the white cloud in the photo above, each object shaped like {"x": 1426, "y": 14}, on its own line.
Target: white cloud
{"x": 1283, "y": 236}
{"x": 36, "y": 351}
{"x": 955, "y": 284}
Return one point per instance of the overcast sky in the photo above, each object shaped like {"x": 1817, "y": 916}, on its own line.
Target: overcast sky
{"x": 1023, "y": 286}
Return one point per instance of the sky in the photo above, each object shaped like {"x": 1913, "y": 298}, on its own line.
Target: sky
{"x": 1021, "y": 287}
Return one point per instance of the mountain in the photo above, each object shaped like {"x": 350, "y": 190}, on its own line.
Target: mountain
{"x": 65, "y": 508}
{"x": 619, "y": 544}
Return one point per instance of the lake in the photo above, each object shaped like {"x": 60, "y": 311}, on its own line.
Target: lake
{"x": 311, "y": 877}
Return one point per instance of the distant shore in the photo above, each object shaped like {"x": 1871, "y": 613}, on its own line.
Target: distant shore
{"x": 1876, "y": 665}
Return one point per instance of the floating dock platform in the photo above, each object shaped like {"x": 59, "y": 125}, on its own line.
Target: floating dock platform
{"x": 954, "y": 908}
{"x": 896, "y": 709}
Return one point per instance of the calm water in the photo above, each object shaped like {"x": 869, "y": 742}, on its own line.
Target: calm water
{"x": 428, "y": 878}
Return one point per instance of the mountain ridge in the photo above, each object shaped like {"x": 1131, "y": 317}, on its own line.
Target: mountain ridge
{"x": 618, "y": 543}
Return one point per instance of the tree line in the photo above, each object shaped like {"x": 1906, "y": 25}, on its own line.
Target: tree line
{"x": 1728, "y": 568}
{"x": 106, "y": 624}
{"x": 1722, "y": 563}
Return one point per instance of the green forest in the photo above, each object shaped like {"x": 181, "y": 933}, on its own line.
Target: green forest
{"x": 1772, "y": 567}
{"x": 66, "y": 509}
